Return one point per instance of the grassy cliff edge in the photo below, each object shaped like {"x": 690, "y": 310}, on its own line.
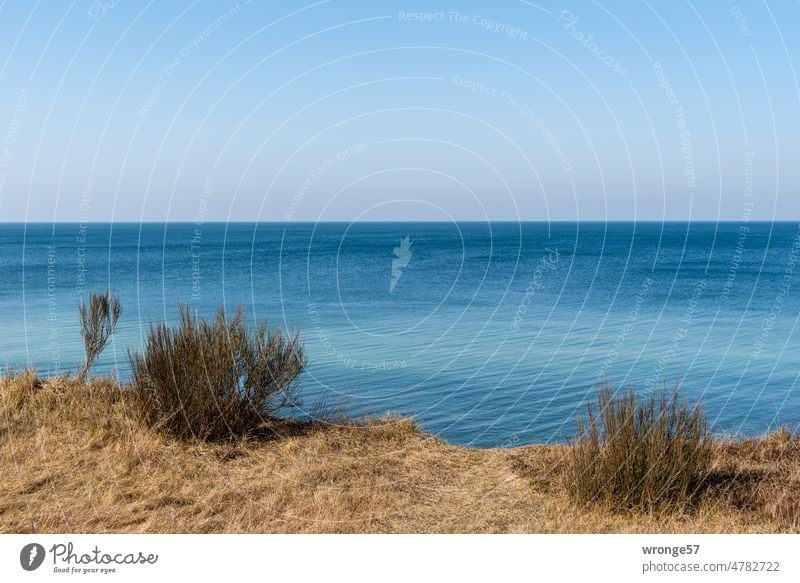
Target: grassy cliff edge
{"x": 73, "y": 459}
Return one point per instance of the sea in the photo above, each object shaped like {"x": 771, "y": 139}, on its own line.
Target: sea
{"x": 489, "y": 334}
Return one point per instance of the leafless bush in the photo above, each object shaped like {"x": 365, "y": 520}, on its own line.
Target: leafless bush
{"x": 98, "y": 321}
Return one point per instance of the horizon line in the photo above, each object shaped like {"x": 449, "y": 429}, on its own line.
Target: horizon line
{"x": 398, "y": 221}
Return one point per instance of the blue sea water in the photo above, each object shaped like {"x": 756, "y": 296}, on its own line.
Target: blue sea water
{"x": 489, "y": 334}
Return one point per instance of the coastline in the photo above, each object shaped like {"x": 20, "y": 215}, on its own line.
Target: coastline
{"x": 75, "y": 461}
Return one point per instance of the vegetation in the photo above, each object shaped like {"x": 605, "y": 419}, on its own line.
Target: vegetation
{"x": 214, "y": 379}
{"x": 98, "y": 321}
{"x": 644, "y": 455}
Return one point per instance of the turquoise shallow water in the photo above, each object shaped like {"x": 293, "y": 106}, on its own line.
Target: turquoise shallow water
{"x": 487, "y": 333}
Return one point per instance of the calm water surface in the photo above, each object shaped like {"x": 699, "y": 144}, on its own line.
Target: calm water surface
{"x": 487, "y": 333}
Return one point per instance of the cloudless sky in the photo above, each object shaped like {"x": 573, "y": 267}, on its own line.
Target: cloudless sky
{"x": 339, "y": 110}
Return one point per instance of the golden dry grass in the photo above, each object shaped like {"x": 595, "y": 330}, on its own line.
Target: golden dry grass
{"x": 72, "y": 459}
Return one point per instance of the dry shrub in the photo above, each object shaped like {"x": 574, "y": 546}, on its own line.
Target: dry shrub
{"x": 214, "y": 379}
{"x": 646, "y": 456}
{"x": 98, "y": 321}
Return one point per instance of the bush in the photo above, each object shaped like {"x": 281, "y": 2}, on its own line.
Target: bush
{"x": 98, "y": 321}
{"x": 646, "y": 456}
{"x": 213, "y": 379}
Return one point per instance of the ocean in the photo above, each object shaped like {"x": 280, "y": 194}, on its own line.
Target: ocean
{"x": 489, "y": 334}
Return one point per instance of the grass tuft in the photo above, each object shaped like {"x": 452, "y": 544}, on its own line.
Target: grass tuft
{"x": 17, "y": 390}
{"x": 641, "y": 455}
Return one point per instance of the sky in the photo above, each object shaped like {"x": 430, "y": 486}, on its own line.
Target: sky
{"x": 339, "y": 111}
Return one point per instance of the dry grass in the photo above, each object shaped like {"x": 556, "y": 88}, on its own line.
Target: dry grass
{"x": 73, "y": 460}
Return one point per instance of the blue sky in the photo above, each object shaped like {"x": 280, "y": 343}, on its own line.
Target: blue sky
{"x": 338, "y": 110}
